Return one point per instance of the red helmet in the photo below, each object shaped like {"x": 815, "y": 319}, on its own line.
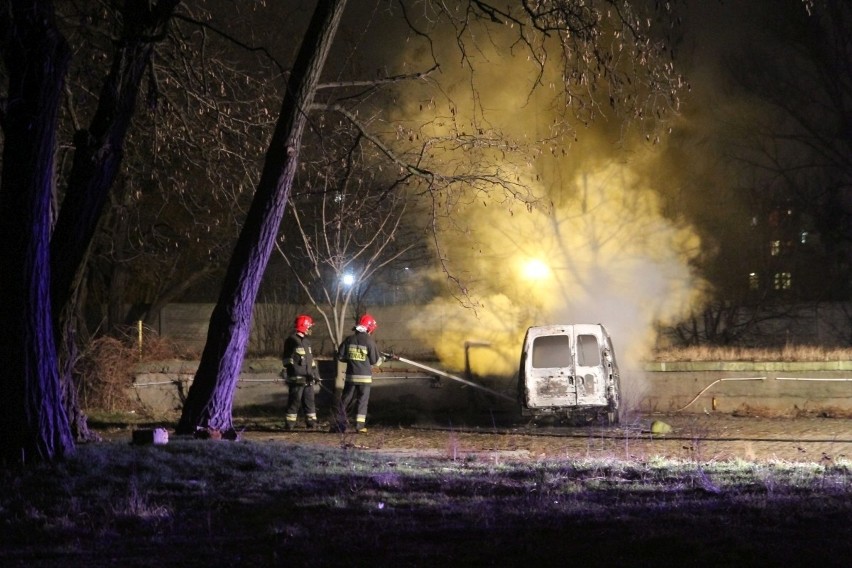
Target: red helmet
{"x": 303, "y": 324}
{"x": 369, "y": 322}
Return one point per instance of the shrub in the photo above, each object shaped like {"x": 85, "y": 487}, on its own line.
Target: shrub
{"x": 105, "y": 369}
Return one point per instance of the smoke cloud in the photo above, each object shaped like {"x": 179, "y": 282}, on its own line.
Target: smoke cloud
{"x": 580, "y": 235}
{"x": 606, "y": 255}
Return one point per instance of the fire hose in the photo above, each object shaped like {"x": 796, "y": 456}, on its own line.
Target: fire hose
{"x": 392, "y": 357}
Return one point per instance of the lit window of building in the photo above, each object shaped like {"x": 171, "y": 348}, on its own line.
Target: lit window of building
{"x": 775, "y": 248}
{"x": 783, "y": 280}
{"x": 804, "y": 237}
{"x": 753, "y": 281}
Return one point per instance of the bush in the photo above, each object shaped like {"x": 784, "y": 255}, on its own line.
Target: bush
{"x": 105, "y": 370}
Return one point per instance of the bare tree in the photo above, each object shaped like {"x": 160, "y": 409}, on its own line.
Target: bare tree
{"x": 189, "y": 170}
{"x": 176, "y": 207}
{"x": 799, "y": 141}
{"x": 99, "y": 147}
{"x": 600, "y": 45}
{"x": 729, "y": 323}
{"x": 778, "y": 208}
{"x": 345, "y": 225}
{"x": 98, "y": 155}
{"x": 210, "y": 399}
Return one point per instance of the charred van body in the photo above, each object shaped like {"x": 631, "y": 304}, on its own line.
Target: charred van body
{"x": 569, "y": 372}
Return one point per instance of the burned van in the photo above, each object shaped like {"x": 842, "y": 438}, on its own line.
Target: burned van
{"x": 568, "y": 372}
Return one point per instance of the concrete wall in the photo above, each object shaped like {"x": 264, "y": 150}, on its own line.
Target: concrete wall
{"x": 779, "y": 388}
{"x": 768, "y": 389}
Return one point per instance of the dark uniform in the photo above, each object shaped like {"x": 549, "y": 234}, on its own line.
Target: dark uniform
{"x": 301, "y": 374}
{"x": 360, "y": 353}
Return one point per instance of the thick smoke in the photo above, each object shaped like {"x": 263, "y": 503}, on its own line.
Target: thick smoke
{"x": 580, "y": 202}
{"x": 606, "y": 255}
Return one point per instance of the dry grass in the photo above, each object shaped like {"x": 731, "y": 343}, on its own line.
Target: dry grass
{"x": 789, "y": 353}
{"x": 106, "y": 367}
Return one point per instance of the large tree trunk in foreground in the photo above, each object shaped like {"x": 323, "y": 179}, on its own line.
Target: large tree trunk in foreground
{"x": 33, "y": 423}
{"x": 210, "y": 399}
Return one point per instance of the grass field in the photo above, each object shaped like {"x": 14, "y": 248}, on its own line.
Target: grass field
{"x": 274, "y": 503}
{"x": 270, "y": 502}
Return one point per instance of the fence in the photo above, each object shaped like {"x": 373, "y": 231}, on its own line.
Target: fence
{"x": 186, "y": 325}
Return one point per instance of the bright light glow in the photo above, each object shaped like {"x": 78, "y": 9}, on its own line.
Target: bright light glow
{"x": 535, "y": 269}
{"x": 348, "y": 279}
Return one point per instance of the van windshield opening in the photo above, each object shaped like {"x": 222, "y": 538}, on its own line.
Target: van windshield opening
{"x": 551, "y": 351}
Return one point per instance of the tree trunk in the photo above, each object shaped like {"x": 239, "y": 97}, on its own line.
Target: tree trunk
{"x": 33, "y": 423}
{"x": 70, "y": 381}
{"x": 98, "y": 154}
{"x": 210, "y": 399}
{"x": 99, "y": 149}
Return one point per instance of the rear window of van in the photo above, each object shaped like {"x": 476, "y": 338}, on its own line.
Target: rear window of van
{"x": 550, "y": 351}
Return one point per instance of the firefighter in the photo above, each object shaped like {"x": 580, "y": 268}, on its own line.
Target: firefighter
{"x": 361, "y": 354}
{"x": 300, "y": 371}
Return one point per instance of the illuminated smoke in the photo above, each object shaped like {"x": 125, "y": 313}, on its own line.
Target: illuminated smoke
{"x": 605, "y": 251}
{"x": 610, "y": 257}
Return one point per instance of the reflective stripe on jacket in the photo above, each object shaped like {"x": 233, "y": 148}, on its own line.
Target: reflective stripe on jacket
{"x": 360, "y": 353}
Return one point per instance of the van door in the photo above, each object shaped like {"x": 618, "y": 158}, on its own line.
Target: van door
{"x": 549, "y": 367}
{"x": 590, "y": 379}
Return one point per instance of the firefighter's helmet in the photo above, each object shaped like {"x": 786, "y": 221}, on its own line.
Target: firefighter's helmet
{"x": 303, "y": 324}
{"x": 368, "y": 322}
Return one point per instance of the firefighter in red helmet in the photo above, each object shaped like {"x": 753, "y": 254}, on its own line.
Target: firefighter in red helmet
{"x": 360, "y": 353}
{"x": 300, "y": 373}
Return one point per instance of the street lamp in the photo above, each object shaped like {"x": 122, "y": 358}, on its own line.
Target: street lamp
{"x": 348, "y": 279}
